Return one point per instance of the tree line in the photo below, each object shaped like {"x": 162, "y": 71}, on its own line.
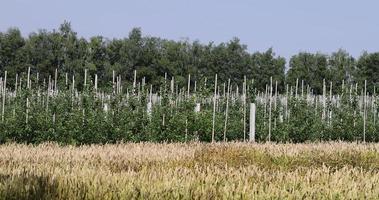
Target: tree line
{"x": 154, "y": 57}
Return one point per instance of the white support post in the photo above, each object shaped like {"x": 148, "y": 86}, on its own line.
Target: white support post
{"x": 85, "y": 77}
{"x": 197, "y": 108}
{"x": 28, "y": 81}
{"x": 214, "y": 110}
{"x": 252, "y": 123}
{"x": 95, "y": 83}
{"x": 364, "y": 112}
{"x": 244, "y": 108}
{"x": 56, "y": 80}
{"x": 113, "y": 81}
{"x": 226, "y": 110}
{"x": 66, "y": 79}
{"x": 134, "y": 81}
{"x": 269, "y": 114}
{"x": 188, "y": 86}
{"x": 4, "y": 91}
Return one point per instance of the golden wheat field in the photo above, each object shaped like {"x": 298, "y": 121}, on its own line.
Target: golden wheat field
{"x": 190, "y": 171}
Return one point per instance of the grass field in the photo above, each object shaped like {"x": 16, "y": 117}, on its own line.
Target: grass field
{"x": 190, "y": 171}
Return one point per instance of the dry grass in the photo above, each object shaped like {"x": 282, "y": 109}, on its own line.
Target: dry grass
{"x": 190, "y": 171}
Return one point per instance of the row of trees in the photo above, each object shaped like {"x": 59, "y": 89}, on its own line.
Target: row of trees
{"x": 152, "y": 57}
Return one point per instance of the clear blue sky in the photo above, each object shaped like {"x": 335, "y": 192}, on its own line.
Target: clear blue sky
{"x": 289, "y": 26}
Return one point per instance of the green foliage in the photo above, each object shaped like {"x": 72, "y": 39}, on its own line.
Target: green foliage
{"x": 78, "y": 116}
{"x": 44, "y": 51}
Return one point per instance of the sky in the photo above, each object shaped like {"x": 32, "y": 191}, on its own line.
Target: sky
{"x": 288, "y": 26}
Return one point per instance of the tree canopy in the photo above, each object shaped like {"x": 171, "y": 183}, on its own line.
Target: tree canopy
{"x": 152, "y": 57}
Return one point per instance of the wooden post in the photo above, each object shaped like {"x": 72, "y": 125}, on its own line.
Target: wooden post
{"x": 113, "y": 82}
{"x": 117, "y": 84}
{"x": 330, "y": 102}
{"x": 214, "y": 110}
{"x": 226, "y": 110}
{"x": 73, "y": 84}
{"x": 343, "y": 86}
{"x": 37, "y": 82}
{"x": 350, "y": 91}
{"x": 56, "y": 78}
{"x": 265, "y": 104}
{"x": 186, "y": 130}
{"x": 20, "y": 85}
{"x": 286, "y": 103}
{"x": 66, "y": 80}
{"x": 48, "y": 93}
{"x": 297, "y": 84}
{"x": 151, "y": 93}
{"x": 269, "y": 116}
{"x": 4, "y": 91}
{"x": 138, "y": 90}
{"x": 143, "y": 84}
{"x": 302, "y": 88}
{"x": 373, "y": 105}
{"x": 364, "y": 113}
{"x": 188, "y": 86}
{"x": 172, "y": 85}
{"x": 330, "y": 91}
{"x": 324, "y": 100}
{"x": 194, "y": 90}
{"x": 27, "y": 110}
{"x": 15, "y": 86}
{"x": 244, "y": 108}
{"x": 1, "y": 85}
{"x": 120, "y": 84}
{"x": 252, "y": 123}
{"x": 276, "y": 95}
{"x": 224, "y": 90}
{"x": 135, "y": 81}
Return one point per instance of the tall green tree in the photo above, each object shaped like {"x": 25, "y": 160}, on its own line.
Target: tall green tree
{"x": 73, "y": 50}
{"x": 310, "y": 68}
{"x": 264, "y": 66}
{"x": 368, "y": 69}
{"x": 12, "y": 54}
{"x": 342, "y": 68}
